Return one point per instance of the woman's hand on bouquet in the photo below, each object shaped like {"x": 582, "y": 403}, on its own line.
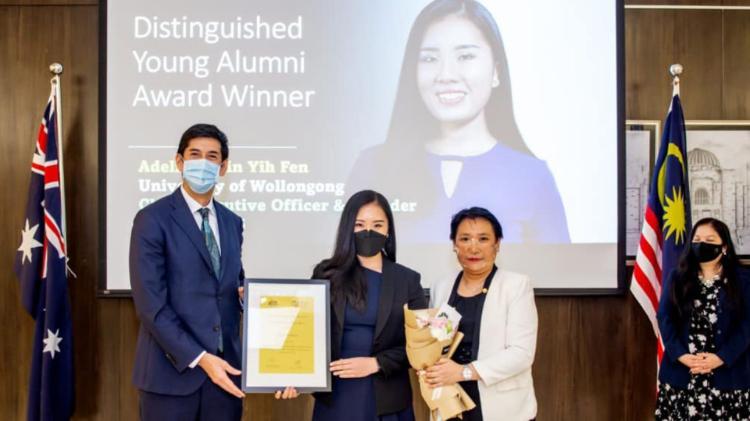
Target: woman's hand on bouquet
{"x": 444, "y": 373}
{"x": 353, "y": 368}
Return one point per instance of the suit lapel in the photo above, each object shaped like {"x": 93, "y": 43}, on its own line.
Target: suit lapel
{"x": 181, "y": 215}
{"x": 224, "y": 232}
{"x": 339, "y": 309}
{"x": 493, "y": 296}
{"x": 387, "y": 291}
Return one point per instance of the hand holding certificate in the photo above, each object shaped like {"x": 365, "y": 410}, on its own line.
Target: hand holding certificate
{"x": 286, "y": 336}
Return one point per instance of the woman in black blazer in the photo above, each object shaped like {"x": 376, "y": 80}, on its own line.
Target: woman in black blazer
{"x": 704, "y": 321}
{"x": 368, "y": 292}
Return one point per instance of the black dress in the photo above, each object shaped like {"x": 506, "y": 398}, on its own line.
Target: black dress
{"x": 466, "y": 306}
{"x": 470, "y": 309}
{"x": 354, "y": 399}
{"x": 700, "y": 400}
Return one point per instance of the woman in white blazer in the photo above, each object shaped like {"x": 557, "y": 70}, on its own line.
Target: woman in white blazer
{"x": 498, "y": 319}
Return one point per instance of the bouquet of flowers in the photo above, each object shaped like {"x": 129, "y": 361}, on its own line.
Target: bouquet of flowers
{"x": 432, "y": 334}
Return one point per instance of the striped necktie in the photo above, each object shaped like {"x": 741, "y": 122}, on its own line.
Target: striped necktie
{"x": 213, "y": 248}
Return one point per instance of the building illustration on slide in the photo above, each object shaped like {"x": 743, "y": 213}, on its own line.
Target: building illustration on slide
{"x": 717, "y": 189}
{"x": 722, "y": 193}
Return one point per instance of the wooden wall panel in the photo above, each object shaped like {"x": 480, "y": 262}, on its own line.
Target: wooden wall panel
{"x": 713, "y": 3}
{"x": 736, "y": 71}
{"x": 655, "y": 39}
{"x": 595, "y": 359}
{"x": 648, "y": 52}
{"x": 46, "y": 3}
{"x": 595, "y": 356}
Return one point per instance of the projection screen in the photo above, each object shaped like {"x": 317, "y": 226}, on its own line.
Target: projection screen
{"x": 513, "y": 106}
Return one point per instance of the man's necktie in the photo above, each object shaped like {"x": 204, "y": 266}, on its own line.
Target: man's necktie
{"x": 213, "y": 248}
{"x": 213, "y": 251}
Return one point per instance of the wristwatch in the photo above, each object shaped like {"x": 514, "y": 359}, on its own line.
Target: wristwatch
{"x": 466, "y": 372}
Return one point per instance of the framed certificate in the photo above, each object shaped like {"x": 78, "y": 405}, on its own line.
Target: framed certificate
{"x": 286, "y": 335}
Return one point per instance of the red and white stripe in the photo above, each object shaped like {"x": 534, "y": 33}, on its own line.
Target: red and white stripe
{"x": 37, "y": 162}
{"x": 51, "y": 175}
{"x": 50, "y": 170}
{"x": 53, "y": 234}
{"x": 646, "y": 282}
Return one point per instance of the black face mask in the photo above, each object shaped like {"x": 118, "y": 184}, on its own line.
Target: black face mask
{"x": 369, "y": 243}
{"x": 705, "y": 252}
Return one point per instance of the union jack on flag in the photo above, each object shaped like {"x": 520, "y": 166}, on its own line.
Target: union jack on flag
{"x": 40, "y": 264}
{"x": 666, "y": 221}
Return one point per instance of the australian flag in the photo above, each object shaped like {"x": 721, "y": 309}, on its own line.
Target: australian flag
{"x": 40, "y": 265}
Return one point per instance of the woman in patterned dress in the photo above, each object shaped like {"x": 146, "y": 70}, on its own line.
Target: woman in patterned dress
{"x": 704, "y": 319}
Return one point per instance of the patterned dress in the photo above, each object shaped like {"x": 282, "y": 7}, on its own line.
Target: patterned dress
{"x": 700, "y": 400}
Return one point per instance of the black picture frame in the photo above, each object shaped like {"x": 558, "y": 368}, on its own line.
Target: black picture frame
{"x": 248, "y": 284}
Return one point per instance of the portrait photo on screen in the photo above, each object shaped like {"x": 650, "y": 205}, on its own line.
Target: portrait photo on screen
{"x": 452, "y": 140}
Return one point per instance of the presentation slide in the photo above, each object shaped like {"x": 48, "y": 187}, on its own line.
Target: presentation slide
{"x": 439, "y": 106}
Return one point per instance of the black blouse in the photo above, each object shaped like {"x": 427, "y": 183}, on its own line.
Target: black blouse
{"x": 470, "y": 309}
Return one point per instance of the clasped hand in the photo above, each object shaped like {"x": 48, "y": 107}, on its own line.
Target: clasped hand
{"x": 701, "y": 363}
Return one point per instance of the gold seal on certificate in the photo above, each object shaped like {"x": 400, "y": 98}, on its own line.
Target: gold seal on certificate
{"x": 286, "y": 335}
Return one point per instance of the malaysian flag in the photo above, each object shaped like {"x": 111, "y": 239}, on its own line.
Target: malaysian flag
{"x": 40, "y": 265}
{"x": 666, "y": 222}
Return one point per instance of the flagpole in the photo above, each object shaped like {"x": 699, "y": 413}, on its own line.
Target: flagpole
{"x": 675, "y": 70}
{"x": 56, "y": 69}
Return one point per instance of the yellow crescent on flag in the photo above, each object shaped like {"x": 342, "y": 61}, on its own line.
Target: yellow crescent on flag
{"x": 674, "y": 207}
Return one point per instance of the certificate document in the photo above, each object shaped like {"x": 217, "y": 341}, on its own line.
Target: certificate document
{"x": 286, "y": 335}
{"x": 291, "y": 332}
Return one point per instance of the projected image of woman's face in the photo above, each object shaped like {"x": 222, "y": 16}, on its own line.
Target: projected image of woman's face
{"x": 455, "y": 70}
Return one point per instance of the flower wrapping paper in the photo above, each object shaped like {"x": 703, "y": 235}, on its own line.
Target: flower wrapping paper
{"x": 432, "y": 334}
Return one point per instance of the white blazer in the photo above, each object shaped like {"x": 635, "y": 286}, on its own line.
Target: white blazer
{"x": 507, "y": 342}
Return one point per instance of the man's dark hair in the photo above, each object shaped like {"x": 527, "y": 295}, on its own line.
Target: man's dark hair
{"x": 204, "y": 130}
{"x": 476, "y": 213}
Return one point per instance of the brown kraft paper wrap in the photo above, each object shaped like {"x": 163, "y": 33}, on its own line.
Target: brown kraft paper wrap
{"x": 423, "y": 350}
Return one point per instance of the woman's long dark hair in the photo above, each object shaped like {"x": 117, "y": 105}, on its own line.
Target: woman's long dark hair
{"x": 686, "y": 286}
{"x": 411, "y": 122}
{"x": 343, "y": 268}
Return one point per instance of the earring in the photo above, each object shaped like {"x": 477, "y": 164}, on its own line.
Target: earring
{"x": 495, "y": 81}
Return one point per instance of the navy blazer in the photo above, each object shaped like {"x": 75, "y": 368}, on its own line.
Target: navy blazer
{"x": 181, "y": 304}
{"x": 732, "y": 340}
{"x": 391, "y": 384}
